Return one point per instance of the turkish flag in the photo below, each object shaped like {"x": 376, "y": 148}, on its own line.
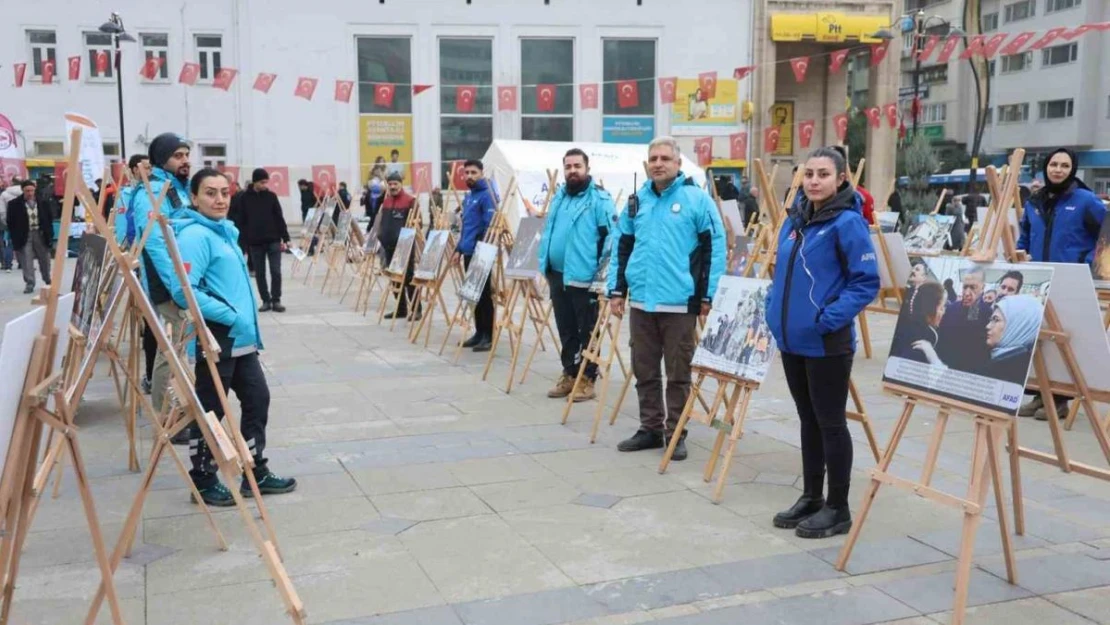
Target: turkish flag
{"x": 902, "y": 130}
{"x": 232, "y": 170}
{"x": 224, "y": 78}
{"x": 13, "y": 168}
{"x": 323, "y": 176}
{"x": 306, "y": 87}
{"x": 587, "y": 95}
{"x": 878, "y": 52}
{"x": 189, "y": 74}
{"x": 948, "y": 49}
{"x": 1079, "y": 31}
{"x": 740, "y": 73}
{"x": 383, "y": 94}
{"x": 738, "y": 146}
{"x": 418, "y": 89}
{"x": 703, "y": 147}
{"x": 279, "y": 180}
{"x": 805, "y": 132}
{"x": 1049, "y": 38}
{"x": 628, "y": 94}
{"x": 101, "y": 61}
{"x": 771, "y": 139}
{"x": 891, "y": 111}
{"x": 545, "y": 98}
{"x": 343, "y": 90}
{"x": 150, "y": 67}
{"x": 667, "y": 89}
{"x": 840, "y": 124}
{"x": 264, "y": 81}
{"x": 458, "y": 176}
{"x": 873, "y": 116}
{"x": 1101, "y": 26}
{"x": 20, "y": 72}
{"x": 799, "y": 65}
{"x": 975, "y": 46}
{"x": 60, "y": 170}
{"x": 506, "y": 98}
{"x": 927, "y": 50}
{"x": 993, "y": 44}
{"x": 707, "y": 82}
{"x": 421, "y": 178}
{"x": 74, "y": 68}
{"x": 464, "y": 98}
{"x": 117, "y": 171}
{"x": 837, "y": 60}
{"x": 47, "y": 72}
{"x": 1017, "y": 43}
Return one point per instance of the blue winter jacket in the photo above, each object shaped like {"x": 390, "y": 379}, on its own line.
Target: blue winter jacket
{"x": 825, "y": 275}
{"x": 219, "y": 277}
{"x": 158, "y": 275}
{"x": 478, "y": 209}
{"x": 588, "y": 217}
{"x": 670, "y": 254}
{"x": 124, "y": 225}
{"x": 1066, "y": 234}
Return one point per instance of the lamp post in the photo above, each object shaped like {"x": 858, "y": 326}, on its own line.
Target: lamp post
{"x": 114, "y": 27}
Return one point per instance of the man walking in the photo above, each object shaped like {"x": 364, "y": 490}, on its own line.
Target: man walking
{"x": 667, "y": 259}
{"x": 478, "y": 209}
{"x": 32, "y": 232}
{"x": 266, "y": 236}
{"x": 574, "y": 238}
{"x": 395, "y": 211}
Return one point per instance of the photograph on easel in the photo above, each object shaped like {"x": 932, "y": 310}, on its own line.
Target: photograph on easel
{"x": 930, "y": 234}
{"x": 967, "y": 330}
{"x": 87, "y": 275}
{"x": 737, "y": 340}
{"x": 600, "y": 283}
{"x": 741, "y": 255}
{"x": 888, "y": 221}
{"x": 430, "y": 260}
{"x": 481, "y": 264}
{"x": 524, "y": 261}
{"x": 343, "y": 228}
{"x": 313, "y": 219}
{"x": 1100, "y": 268}
{"x": 403, "y": 252}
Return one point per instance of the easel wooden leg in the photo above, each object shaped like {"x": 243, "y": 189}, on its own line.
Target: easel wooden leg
{"x": 860, "y": 415}
{"x": 977, "y": 493}
{"x": 934, "y": 447}
{"x": 1045, "y": 384}
{"x": 452, "y": 320}
{"x": 737, "y": 418}
{"x": 682, "y": 421}
{"x": 506, "y": 320}
{"x": 865, "y": 334}
{"x": 1015, "y": 479}
{"x": 1000, "y": 502}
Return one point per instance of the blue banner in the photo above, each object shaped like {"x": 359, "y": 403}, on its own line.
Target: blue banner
{"x": 627, "y": 129}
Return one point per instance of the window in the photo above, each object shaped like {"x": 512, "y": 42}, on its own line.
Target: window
{"x": 209, "y": 53}
{"x": 213, "y": 155}
{"x": 1017, "y": 62}
{"x": 1060, "y": 55}
{"x": 111, "y": 150}
{"x": 43, "y": 44}
{"x": 43, "y": 149}
{"x": 1056, "y": 109}
{"x": 990, "y": 21}
{"x": 385, "y": 60}
{"x": 157, "y": 45}
{"x": 934, "y": 113}
{"x": 1024, "y": 9}
{"x": 465, "y": 135}
{"x": 98, "y": 44}
{"x": 1013, "y": 113}
{"x": 991, "y": 67}
{"x": 934, "y": 75}
{"x": 1051, "y": 6}
{"x": 628, "y": 59}
{"x": 988, "y": 118}
{"x": 547, "y": 62}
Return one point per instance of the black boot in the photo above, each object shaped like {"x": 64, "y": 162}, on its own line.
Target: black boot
{"x": 278, "y": 308}
{"x": 266, "y": 307}
{"x": 641, "y": 440}
{"x": 484, "y": 345}
{"x": 472, "y": 341}
{"x": 827, "y": 522}
{"x": 680, "y": 449}
{"x": 805, "y": 507}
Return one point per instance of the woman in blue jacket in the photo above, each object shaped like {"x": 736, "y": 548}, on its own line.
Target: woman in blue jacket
{"x": 209, "y": 246}
{"x": 825, "y": 275}
{"x": 1061, "y": 224}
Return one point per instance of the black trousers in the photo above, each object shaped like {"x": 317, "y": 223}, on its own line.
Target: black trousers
{"x": 820, "y": 390}
{"x": 575, "y": 310}
{"x": 150, "y": 350}
{"x": 483, "y": 311}
{"x": 403, "y": 311}
{"x": 268, "y": 252}
{"x": 243, "y": 376}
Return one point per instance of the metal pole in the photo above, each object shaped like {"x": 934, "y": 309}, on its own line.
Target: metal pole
{"x": 917, "y": 31}
{"x": 119, "y": 96}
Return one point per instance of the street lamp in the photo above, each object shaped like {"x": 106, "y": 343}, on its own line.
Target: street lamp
{"x": 114, "y": 27}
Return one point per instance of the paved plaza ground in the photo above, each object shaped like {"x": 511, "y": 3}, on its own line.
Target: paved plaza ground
{"x": 429, "y": 497}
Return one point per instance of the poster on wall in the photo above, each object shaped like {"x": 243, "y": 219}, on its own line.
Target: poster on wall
{"x": 91, "y": 155}
{"x": 782, "y": 117}
{"x": 634, "y": 129}
{"x": 12, "y": 163}
{"x": 695, "y": 113}
{"x": 385, "y": 146}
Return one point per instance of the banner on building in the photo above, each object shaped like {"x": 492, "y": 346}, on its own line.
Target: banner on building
{"x": 627, "y": 129}
{"x": 696, "y": 113}
{"x": 782, "y": 117}
{"x": 385, "y": 146}
{"x": 90, "y": 157}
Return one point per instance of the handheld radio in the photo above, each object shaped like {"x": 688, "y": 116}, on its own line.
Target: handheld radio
{"x": 633, "y": 199}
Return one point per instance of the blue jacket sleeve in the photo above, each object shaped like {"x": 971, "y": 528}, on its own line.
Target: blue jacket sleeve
{"x": 126, "y": 219}
{"x": 711, "y": 224}
{"x": 1095, "y": 214}
{"x": 155, "y": 244}
{"x": 620, "y": 254}
{"x": 195, "y": 251}
{"x": 862, "y": 285}
{"x": 605, "y": 212}
{"x": 1023, "y": 228}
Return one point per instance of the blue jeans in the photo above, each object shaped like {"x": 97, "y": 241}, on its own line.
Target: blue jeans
{"x": 6, "y": 252}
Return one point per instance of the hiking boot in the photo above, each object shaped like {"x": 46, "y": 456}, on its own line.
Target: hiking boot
{"x": 586, "y": 391}
{"x": 472, "y": 341}
{"x": 266, "y": 307}
{"x": 146, "y": 386}
{"x": 398, "y": 315}
{"x": 269, "y": 484}
{"x": 680, "y": 449}
{"x": 1061, "y": 411}
{"x": 825, "y": 523}
{"x": 215, "y": 495}
{"x": 641, "y": 440}
{"x": 805, "y": 507}
{"x": 30, "y": 288}
{"x": 484, "y": 345}
{"x": 278, "y": 308}
{"x": 1030, "y": 408}
{"x": 562, "y": 387}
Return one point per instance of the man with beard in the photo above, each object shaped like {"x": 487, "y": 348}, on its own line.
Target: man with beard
{"x": 395, "y": 211}
{"x": 963, "y": 330}
{"x": 263, "y": 227}
{"x": 478, "y": 210}
{"x": 574, "y": 238}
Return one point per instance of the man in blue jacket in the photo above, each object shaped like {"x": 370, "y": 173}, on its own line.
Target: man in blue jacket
{"x": 667, "y": 259}
{"x": 574, "y": 238}
{"x": 477, "y": 213}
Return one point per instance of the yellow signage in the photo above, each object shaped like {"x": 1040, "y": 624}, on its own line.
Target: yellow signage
{"x": 695, "y": 112}
{"x": 782, "y": 116}
{"x": 826, "y": 27}
{"x": 385, "y": 146}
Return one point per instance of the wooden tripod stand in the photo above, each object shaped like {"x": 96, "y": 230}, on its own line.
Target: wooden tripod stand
{"x": 601, "y": 352}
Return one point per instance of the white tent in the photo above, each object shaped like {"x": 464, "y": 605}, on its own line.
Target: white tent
{"x": 617, "y": 166}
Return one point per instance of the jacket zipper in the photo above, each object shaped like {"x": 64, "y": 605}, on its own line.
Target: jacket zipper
{"x": 786, "y": 294}
{"x": 1050, "y": 221}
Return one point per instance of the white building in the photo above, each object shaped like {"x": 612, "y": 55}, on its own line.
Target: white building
{"x": 445, "y": 43}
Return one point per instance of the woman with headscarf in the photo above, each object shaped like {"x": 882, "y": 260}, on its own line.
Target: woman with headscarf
{"x": 1011, "y": 335}
{"x": 1061, "y": 224}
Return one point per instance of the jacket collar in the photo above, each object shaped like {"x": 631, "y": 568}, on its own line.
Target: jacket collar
{"x": 401, "y": 199}
{"x": 649, "y": 186}
{"x": 190, "y": 216}
{"x": 846, "y": 199}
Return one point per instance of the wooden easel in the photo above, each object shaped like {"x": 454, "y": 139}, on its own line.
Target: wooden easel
{"x": 396, "y": 286}
{"x": 338, "y": 251}
{"x": 428, "y": 291}
{"x": 522, "y": 291}
{"x": 323, "y": 232}
{"x": 601, "y": 352}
